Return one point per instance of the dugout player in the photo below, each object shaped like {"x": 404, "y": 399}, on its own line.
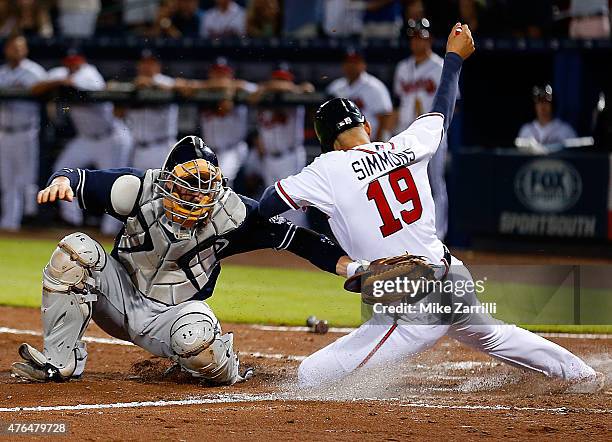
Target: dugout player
{"x": 370, "y": 94}
{"x": 378, "y": 198}
{"x": 154, "y": 128}
{"x": 415, "y": 83}
{"x": 19, "y": 127}
{"x": 546, "y": 133}
{"x": 226, "y": 125}
{"x": 280, "y": 140}
{"x": 178, "y": 223}
{"x": 102, "y": 140}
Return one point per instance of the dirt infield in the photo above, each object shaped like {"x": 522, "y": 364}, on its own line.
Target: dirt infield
{"x": 448, "y": 392}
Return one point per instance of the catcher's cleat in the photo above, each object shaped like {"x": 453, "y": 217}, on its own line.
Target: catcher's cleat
{"x": 591, "y": 384}
{"x": 35, "y": 368}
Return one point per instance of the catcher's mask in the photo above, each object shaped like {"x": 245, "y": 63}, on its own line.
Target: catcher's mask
{"x": 190, "y": 184}
{"x": 190, "y": 190}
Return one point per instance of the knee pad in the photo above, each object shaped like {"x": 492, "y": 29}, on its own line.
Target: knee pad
{"x": 201, "y": 349}
{"x": 72, "y": 263}
{"x": 69, "y": 290}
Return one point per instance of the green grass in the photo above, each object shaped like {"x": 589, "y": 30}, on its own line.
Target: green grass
{"x": 243, "y": 293}
{"x": 282, "y": 296}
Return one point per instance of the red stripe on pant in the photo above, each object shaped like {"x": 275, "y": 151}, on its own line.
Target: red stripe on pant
{"x": 375, "y": 349}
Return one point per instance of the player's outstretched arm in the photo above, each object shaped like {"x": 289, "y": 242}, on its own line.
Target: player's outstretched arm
{"x": 459, "y": 47}
{"x": 112, "y": 191}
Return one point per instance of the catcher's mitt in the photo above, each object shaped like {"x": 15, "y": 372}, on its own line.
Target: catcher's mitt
{"x": 407, "y": 267}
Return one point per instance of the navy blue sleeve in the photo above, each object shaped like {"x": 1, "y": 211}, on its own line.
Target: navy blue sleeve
{"x": 271, "y": 204}
{"x": 92, "y": 188}
{"x": 446, "y": 95}
{"x": 259, "y": 232}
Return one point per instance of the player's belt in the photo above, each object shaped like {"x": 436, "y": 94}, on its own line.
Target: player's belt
{"x": 281, "y": 153}
{"x": 15, "y": 129}
{"x": 149, "y": 143}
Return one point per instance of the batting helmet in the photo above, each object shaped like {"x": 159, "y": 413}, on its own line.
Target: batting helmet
{"x": 334, "y": 117}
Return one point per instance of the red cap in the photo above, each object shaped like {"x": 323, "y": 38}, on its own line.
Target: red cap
{"x": 73, "y": 59}
{"x": 281, "y": 74}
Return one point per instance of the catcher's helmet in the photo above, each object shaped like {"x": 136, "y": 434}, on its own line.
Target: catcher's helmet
{"x": 191, "y": 184}
{"x": 188, "y": 149}
{"x": 334, "y": 117}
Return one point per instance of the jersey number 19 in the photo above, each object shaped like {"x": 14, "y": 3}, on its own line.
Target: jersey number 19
{"x": 409, "y": 193}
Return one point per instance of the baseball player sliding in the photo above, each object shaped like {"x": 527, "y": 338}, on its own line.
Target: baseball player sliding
{"x": 178, "y": 223}
{"x": 378, "y": 199}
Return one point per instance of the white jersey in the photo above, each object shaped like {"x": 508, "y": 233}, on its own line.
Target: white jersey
{"x": 415, "y": 86}
{"x": 368, "y": 93}
{"x": 377, "y": 196}
{"x": 154, "y": 124}
{"x": 553, "y": 133}
{"x": 224, "y": 132}
{"x": 223, "y": 24}
{"x": 281, "y": 129}
{"x": 20, "y": 114}
{"x": 91, "y": 120}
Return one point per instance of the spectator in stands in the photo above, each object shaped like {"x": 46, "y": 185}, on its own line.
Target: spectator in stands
{"x": 546, "y": 133}
{"x": 264, "y": 18}
{"x": 225, "y": 126}
{"x": 226, "y": 19}
{"x": 367, "y": 91}
{"x": 77, "y": 18}
{"x": 102, "y": 141}
{"x": 33, "y": 19}
{"x": 163, "y": 26}
{"x": 19, "y": 127}
{"x": 137, "y": 15}
{"x": 382, "y": 19}
{"x": 154, "y": 128}
{"x": 590, "y": 19}
{"x": 186, "y": 20}
{"x": 280, "y": 140}
{"x": 342, "y": 18}
{"x": 414, "y": 11}
{"x": 301, "y": 19}
{"x": 7, "y": 18}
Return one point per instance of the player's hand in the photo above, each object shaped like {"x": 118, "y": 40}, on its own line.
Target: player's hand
{"x": 460, "y": 41}
{"x": 59, "y": 189}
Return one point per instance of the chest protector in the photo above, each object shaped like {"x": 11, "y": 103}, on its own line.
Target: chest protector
{"x": 163, "y": 267}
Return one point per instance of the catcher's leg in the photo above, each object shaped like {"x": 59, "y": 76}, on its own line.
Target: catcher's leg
{"x": 199, "y": 347}
{"x": 69, "y": 291}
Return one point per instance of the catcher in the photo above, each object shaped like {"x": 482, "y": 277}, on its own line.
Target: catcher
{"x": 179, "y": 222}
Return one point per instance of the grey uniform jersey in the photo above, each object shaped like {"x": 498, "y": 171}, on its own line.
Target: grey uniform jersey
{"x": 160, "y": 266}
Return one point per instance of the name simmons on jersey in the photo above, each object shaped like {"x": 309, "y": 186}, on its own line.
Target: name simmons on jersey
{"x": 381, "y": 162}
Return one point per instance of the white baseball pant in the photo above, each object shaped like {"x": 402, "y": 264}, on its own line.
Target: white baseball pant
{"x": 18, "y": 176}
{"x": 152, "y": 156}
{"x": 231, "y": 160}
{"x": 380, "y": 342}
{"x": 437, "y": 181}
